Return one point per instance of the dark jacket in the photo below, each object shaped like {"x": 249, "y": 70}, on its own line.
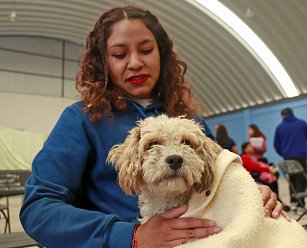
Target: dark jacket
{"x": 290, "y": 140}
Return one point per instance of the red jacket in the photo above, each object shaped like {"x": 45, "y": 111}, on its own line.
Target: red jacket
{"x": 251, "y": 166}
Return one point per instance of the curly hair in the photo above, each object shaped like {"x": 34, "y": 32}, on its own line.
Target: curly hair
{"x": 100, "y": 95}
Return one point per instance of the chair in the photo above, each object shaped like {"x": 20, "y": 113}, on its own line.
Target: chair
{"x": 11, "y": 183}
{"x": 6, "y": 213}
{"x": 289, "y": 168}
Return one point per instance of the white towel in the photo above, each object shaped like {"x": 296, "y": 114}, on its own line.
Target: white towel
{"x": 235, "y": 203}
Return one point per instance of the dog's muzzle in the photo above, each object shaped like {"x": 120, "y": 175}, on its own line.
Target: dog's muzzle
{"x": 174, "y": 162}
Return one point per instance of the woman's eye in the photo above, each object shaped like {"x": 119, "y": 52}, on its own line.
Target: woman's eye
{"x": 119, "y": 55}
{"x": 147, "y": 51}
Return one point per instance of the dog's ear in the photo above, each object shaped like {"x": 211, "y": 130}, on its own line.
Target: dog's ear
{"x": 126, "y": 159}
{"x": 208, "y": 151}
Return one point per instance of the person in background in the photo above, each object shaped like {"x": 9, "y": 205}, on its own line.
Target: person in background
{"x": 129, "y": 71}
{"x": 260, "y": 171}
{"x": 290, "y": 142}
{"x": 223, "y": 139}
{"x": 258, "y": 140}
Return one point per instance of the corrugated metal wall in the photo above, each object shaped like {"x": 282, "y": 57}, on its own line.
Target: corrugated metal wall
{"x": 39, "y": 66}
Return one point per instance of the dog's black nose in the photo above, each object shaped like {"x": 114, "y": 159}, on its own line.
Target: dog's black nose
{"x": 174, "y": 161}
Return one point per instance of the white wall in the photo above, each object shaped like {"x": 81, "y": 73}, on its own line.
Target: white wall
{"x": 29, "y": 112}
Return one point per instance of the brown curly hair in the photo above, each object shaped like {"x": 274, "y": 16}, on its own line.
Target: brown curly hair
{"x": 100, "y": 94}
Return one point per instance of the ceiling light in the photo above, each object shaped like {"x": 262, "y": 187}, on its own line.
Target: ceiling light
{"x": 249, "y": 13}
{"x": 13, "y": 16}
{"x": 233, "y": 24}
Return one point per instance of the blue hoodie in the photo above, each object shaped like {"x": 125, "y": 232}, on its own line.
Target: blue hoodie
{"x": 72, "y": 198}
{"x": 290, "y": 140}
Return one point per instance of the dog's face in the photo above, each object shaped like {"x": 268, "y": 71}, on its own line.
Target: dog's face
{"x": 162, "y": 153}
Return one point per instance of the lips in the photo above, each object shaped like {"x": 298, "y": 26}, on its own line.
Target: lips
{"x": 138, "y": 79}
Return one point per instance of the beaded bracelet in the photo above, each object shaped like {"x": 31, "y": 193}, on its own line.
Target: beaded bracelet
{"x": 134, "y": 242}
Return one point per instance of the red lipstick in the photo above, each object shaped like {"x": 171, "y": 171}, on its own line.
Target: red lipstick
{"x": 138, "y": 79}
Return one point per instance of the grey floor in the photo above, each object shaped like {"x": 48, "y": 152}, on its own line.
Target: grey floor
{"x": 16, "y": 201}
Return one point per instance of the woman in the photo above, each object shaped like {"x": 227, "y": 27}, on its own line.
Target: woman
{"x": 224, "y": 140}
{"x": 258, "y": 140}
{"x": 260, "y": 171}
{"x": 129, "y": 71}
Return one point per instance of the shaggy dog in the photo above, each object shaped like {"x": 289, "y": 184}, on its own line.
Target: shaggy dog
{"x": 170, "y": 161}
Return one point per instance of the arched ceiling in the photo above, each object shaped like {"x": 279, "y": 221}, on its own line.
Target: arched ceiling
{"x": 225, "y": 76}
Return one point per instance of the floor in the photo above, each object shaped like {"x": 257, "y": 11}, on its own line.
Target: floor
{"x": 16, "y": 201}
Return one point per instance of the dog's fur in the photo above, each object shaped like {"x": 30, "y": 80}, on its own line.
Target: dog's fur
{"x": 144, "y": 163}
{"x": 170, "y": 161}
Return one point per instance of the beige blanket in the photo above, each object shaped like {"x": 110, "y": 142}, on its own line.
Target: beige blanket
{"x": 235, "y": 203}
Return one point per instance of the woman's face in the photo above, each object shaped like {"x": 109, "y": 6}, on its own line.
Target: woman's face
{"x": 250, "y": 131}
{"x": 133, "y": 58}
{"x": 216, "y": 127}
{"x": 249, "y": 149}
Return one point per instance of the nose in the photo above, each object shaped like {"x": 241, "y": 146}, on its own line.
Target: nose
{"x": 135, "y": 61}
{"x": 174, "y": 161}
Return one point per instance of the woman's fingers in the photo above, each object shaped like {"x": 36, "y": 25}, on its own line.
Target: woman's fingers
{"x": 272, "y": 207}
{"x": 191, "y": 223}
{"x": 188, "y": 229}
{"x": 198, "y": 233}
{"x": 194, "y": 231}
{"x": 167, "y": 230}
{"x": 265, "y": 192}
{"x": 286, "y": 215}
{"x": 277, "y": 210}
{"x": 272, "y": 204}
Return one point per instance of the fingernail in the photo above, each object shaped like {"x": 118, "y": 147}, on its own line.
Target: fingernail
{"x": 212, "y": 223}
{"x": 266, "y": 212}
{"x": 217, "y": 229}
{"x": 275, "y": 214}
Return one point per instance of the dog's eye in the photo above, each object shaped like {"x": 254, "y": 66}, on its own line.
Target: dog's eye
{"x": 186, "y": 142}
{"x": 152, "y": 143}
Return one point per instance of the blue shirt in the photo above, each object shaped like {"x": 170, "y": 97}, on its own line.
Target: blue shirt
{"x": 72, "y": 198}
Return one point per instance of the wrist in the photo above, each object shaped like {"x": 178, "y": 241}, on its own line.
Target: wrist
{"x": 134, "y": 241}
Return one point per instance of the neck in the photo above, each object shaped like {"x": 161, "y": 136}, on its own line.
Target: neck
{"x": 143, "y": 102}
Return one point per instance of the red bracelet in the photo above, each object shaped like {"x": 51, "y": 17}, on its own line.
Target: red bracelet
{"x": 134, "y": 242}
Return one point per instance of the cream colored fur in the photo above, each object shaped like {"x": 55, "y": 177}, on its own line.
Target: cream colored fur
{"x": 210, "y": 180}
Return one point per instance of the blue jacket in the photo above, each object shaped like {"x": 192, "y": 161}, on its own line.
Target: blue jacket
{"x": 290, "y": 140}
{"x": 72, "y": 198}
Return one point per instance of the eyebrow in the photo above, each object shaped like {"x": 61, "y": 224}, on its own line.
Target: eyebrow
{"x": 123, "y": 45}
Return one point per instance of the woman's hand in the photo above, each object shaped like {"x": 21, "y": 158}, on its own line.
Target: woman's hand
{"x": 167, "y": 230}
{"x": 272, "y": 207}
